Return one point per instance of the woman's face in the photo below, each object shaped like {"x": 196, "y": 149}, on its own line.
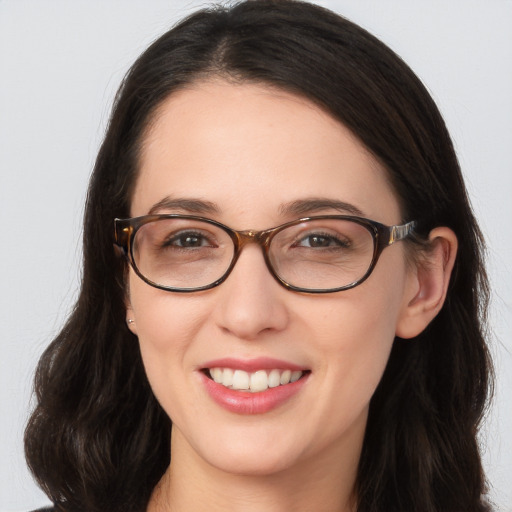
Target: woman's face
{"x": 253, "y": 158}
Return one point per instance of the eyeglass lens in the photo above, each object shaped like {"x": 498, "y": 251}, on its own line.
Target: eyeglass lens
{"x": 314, "y": 254}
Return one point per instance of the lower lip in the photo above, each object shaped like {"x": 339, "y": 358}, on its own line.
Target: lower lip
{"x": 245, "y": 402}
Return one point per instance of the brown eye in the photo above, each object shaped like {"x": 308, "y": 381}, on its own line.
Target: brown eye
{"x": 188, "y": 239}
{"x": 319, "y": 240}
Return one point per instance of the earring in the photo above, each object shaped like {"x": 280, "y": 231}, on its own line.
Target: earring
{"x": 130, "y": 321}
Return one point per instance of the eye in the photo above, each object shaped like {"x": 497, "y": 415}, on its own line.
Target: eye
{"x": 322, "y": 240}
{"x": 188, "y": 239}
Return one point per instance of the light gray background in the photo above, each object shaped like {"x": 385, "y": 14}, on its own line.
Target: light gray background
{"x": 60, "y": 63}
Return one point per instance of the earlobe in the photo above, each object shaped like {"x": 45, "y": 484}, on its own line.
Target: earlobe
{"x": 130, "y": 320}
{"x": 130, "y": 316}
{"x": 430, "y": 283}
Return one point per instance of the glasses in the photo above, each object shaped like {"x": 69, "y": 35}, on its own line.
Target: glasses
{"x": 322, "y": 254}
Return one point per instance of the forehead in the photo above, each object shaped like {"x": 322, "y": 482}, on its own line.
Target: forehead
{"x": 249, "y": 149}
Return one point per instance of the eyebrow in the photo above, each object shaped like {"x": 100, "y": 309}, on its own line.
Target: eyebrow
{"x": 298, "y": 207}
{"x": 317, "y": 204}
{"x": 189, "y": 205}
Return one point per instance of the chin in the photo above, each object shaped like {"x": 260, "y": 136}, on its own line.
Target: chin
{"x": 257, "y": 455}
{"x": 257, "y": 465}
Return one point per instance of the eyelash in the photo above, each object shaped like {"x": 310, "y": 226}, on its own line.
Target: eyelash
{"x": 339, "y": 242}
{"x": 170, "y": 241}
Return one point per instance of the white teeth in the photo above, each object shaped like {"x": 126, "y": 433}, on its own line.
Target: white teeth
{"x": 285, "y": 377}
{"x": 255, "y": 382}
{"x": 216, "y": 374}
{"x": 227, "y": 376}
{"x": 295, "y": 376}
{"x": 274, "y": 378}
{"x": 240, "y": 380}
{"x": 259, "y": 381}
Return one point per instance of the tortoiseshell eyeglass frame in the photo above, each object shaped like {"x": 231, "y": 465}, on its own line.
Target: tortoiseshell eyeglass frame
{"x": 383, "y": 236}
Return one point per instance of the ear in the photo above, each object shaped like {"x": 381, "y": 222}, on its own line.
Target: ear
{"x": 428, "y": 284}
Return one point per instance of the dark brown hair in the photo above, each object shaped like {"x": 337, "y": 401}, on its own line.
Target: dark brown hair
{"x": 99, "y": 441}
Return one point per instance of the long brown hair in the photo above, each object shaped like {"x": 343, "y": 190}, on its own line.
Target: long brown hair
{"x": 99, "y": 441}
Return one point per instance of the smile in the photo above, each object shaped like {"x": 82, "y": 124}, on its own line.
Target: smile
{"x": 252, "y": 386}
{"x": 255, "y": 382}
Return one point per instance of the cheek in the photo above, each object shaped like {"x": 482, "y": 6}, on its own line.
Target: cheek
{"x": 356, "y": 338}
{"x": 164, "y": 320}
{"x": 364, "y": 317}
{"x": 166, "y": 332}
{"x": 355, "y": 333}
{"x": 166, "y": 326}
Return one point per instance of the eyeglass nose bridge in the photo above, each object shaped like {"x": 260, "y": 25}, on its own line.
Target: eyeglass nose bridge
{"x": 261, "y": 238}
{"x": 251, "y": 236}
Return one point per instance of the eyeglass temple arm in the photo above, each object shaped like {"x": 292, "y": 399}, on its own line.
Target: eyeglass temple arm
{"x": 121, "y": 234}
{"x": 400, "y": 232}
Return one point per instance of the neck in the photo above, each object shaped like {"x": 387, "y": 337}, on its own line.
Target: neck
{"x": 324, "y": 484}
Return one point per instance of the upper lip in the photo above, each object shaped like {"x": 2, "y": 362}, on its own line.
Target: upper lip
{"x": 252, "y": 365}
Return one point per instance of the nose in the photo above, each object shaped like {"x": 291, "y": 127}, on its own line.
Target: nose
{"x": 251, "y": 302}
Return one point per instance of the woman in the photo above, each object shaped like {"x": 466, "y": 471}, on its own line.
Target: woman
{"x": 341, "y": 365}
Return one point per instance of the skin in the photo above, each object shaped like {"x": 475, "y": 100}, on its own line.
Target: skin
{"x": 250, "y": 149}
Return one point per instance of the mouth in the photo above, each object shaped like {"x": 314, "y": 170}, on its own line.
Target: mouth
{"x": 253, "y": 386}
{"x": 254, "y": 382}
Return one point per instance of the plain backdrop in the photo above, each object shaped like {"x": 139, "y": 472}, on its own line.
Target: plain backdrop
{"x": 60, "y": 64}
